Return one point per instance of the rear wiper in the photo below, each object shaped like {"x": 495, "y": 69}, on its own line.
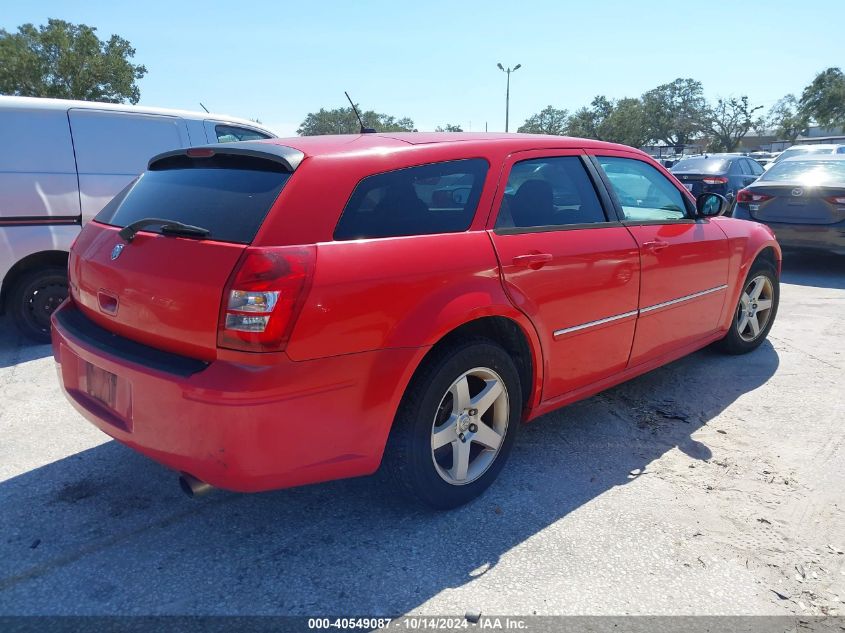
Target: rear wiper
{"x": 168, "y": 227}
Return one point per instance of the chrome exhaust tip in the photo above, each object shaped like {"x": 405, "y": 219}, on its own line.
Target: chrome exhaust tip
{"x": 192, "y": 486}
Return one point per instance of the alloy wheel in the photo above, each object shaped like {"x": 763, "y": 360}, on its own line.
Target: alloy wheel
{"x": 755, "y": 308}
{"x": 470, "y": 426}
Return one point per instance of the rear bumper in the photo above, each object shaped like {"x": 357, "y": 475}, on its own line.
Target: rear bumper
{"x": 239, "y": 426}
{"x": 825, "y": 237}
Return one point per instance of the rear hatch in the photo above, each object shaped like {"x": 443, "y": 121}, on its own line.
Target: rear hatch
{"x": 153, "y": 265}
{"x": 795, "y": 203}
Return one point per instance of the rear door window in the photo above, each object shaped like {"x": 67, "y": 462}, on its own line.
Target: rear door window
{"x": 422, "y": 200}
{"x": 644, "y": 193}
{"x": 549, "y": 192}
{"x": 228, "y": 195}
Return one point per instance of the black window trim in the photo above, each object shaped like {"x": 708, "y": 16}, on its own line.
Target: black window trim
{"x": 692, "y": 216}
{"x": 610, "y": 213}
{"x": 425, "y": 164}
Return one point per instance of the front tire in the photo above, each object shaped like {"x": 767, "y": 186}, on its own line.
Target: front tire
{"x": 456, "y": 425}
{"x": 756, "y": 310}
{"x": 33, "y": 299}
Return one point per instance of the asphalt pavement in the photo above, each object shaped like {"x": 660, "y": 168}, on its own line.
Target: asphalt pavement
{"x": 710, "y": 486}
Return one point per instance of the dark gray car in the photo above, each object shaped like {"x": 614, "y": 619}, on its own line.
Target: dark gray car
{"x": 803, "y": 200}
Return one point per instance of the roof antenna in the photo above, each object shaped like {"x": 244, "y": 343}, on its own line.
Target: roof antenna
{"x": 364, "y": 129}
{"x": 203, "y": 107}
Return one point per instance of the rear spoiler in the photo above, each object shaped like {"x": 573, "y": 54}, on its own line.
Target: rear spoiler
{"x": 288, "y": 157}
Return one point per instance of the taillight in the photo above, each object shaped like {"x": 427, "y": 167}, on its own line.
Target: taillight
{"x": 264, "y": 296}
{"x": 715, "y": 180}
{"x": 746, "y": 196}
{"x": 835, "y": 199}
{"x": 200, "y": 152}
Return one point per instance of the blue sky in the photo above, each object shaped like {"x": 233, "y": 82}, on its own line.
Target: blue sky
{"x": 435, "y": 61}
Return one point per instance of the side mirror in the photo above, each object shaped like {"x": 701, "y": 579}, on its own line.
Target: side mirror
{"x": 710, "y": 205}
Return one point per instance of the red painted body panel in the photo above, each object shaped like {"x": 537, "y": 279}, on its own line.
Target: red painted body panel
{"x": 168, "y": 289}
{"x": 323, "y": 408}
{"x": 694, "y": 260}
{"x": 746, "y": 240}
{"x": 246, "y": 427}
{"x": 593, "y": 274}
{"x": 399, "y": 292}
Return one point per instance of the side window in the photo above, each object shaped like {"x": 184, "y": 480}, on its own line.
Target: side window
{"x": 644, "y": 193}
{"x": 434, "y": 198}
{"x": 756, "y": 168}
{"x": 231, "y": 133}
{"x": 549, "y": 192}
{"x": 744, "y": 167}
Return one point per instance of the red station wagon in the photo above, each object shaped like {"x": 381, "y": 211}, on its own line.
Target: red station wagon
{"x": 268, "y": 314}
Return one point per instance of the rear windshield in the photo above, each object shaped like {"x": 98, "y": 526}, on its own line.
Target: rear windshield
{"x": 702, "y": 165}
{"x": 808, "y": 172}
{"x": 227, "y": 195}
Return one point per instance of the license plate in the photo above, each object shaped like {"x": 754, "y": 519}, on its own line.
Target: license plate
{"x": 688, "y": 185}
{"x": 101, "y": 385}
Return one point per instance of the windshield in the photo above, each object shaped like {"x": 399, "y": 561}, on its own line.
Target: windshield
{"x": 228, "y": 198}
{"x": 702, "y": 165}
{"x": 807, "y": 172}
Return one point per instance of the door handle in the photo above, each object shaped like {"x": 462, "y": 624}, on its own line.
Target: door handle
{"x": 534, "y": 261}
{"x": 656, "y": 245}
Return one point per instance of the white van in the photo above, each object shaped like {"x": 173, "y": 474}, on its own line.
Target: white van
{"x": 60, "y": 162}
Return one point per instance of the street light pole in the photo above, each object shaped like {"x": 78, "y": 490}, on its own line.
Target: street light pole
{"x": 508, "y": 90}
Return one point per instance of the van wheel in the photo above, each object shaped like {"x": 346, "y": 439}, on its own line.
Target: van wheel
{"x": 33, "y": 299}
{"x": 456, "y": 425}
{"x": 755, "y": 313}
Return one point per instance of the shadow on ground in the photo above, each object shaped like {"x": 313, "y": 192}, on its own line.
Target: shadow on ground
{"x": 821, "y": 270}
{"x": 107, "y": 531}
{"x": 15, "y": 349}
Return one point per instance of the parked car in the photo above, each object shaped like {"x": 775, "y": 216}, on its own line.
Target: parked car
{"x": 237, "y": 320}
{"x": 803, "y": 150}
{"x": 69, "y": 159}
{"x": 763, "y": 158}
{"x": 802, "y": 199}
{"x": 724, "y": 174}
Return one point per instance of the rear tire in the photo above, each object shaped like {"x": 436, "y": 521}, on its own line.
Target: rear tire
{"x": 34, "y": 297}
{"x": 456, "y": 425}
{"x": 755, "y": 312}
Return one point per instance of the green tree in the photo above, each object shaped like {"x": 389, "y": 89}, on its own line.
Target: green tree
{"x": 786, "y": 118}
{"x": 625, "y": 123}
{"x": 68, "y": 61}
{"x": 675, "y": 112}
{"x": 449, "y": 128}
{"x": 729, "y": 121}
{"x": 824, "y": 99}
{"x": 590, "y": 122}
{"x": 548, "y": 121}
{"x": 344, "y": 121}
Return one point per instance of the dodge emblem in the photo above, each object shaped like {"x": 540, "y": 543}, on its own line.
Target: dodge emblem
{"x": 117, "y": 250}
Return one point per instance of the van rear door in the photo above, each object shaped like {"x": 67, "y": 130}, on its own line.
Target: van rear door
{"x": 163, "y": 288}
{"x": 113, "y": 147}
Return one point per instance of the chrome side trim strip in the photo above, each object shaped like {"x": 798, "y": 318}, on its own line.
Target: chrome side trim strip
{"x": 694, "y": 295}
{"x": 625, "y": 315}
{"x": 584, "y": 326}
